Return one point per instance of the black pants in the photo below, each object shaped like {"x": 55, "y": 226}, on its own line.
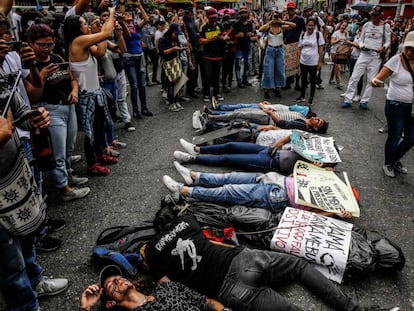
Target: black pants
{"x": 98, "y": 129}
{"x": 212, "y": 76}
{"x": 227, "y": 71}
{"x": 153, "y": 56}
{"x": 192, "y": 74}
{"x": 304, "y": 71}
{"x": 254, "y": 275}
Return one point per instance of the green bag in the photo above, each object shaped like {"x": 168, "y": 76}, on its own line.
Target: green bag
{"x": 173, "y": 69}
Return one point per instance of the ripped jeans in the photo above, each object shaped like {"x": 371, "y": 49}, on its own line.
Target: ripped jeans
{"x": 254, "y": 275}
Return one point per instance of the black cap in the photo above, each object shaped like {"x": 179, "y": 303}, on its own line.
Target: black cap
{"x": 108, "y": 271}
{"x": 376, "y": 10}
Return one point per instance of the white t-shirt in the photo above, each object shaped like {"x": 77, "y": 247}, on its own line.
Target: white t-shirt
{"x": 269, "y": 138}
{"x": 338, "y": 35}
{"x": 373, "y": 36}
{"x": 401, "y": 83}
{"x": 71, "y": 11}
{"x": 310, "y": 48}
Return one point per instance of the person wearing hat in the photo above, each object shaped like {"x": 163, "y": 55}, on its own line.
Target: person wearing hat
{"x": 375, "y": 39}
{"x": 353, "y": 27}
{"x": 244, "y": 35}
{"x": 398, "y": 105}
{"x": 292, "y": 36}
{"x": 212, "y": 38}
{"x": 117, "y": 293}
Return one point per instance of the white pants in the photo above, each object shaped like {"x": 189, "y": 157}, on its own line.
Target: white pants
{"x": 121, "y": 100}
{"x": 365, "y": 63}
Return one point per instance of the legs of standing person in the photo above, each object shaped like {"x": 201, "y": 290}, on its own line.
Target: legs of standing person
{"x": 268, "y": 78}
{"x": 399, "y": 122}
{"x": 142, "y": 91}
{"x": 170, "y": 94}
{"x": 361, "y": 80}
{"x": 132, "y": 70}
{"x": 208, "y": 74}
{"x": 153, "y": 55}
{"x": 237, "y": 67}
{"x": 59, "y": 134}
{"x": 192, "y": 75}
{"x": 15, "y": 283}
{"x": 246, "y": 59}
{"x": 37, "y": 174}
{"x": 312, "y": 78}
{"x": 279, "y": 68}
{"x": 359, "y": 70}
{"x": 304, "y": 70}
{"x": 121, "y": 99}
{"x": 215, "y": 78}
{"x": 98, "y": 130}
{"x": 372, "y": 69}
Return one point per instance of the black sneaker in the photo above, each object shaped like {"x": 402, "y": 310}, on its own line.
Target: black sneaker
{"x": 147, "y": 113}
{"x": 247, "y": 83}
{"x": 137, "y": 115}
{"x": 48, "y": 244}
{"x": 240, "y": 86}
{"x": 55, "y": 225}
{"x": 129, "y": 127}
{"x": 277, "y": 94}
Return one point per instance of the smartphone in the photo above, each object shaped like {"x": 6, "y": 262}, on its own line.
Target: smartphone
{"x": 15, "y": 45}
{"x": 63, "y": 66}
{"x": 28, "y": 115}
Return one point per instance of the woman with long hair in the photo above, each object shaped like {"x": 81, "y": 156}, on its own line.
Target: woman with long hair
{"x": 59, "y": 95}
{"x": 274, "y": 59}
{"x": 339, "y": 37}
{"x": 92, "y": 107}
{"x": 310, "y": 57}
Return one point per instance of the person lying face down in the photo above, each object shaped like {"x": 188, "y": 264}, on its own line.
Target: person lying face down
{"x": 271, "y": 191}
{"x": 117, "y": 293}
{"x": 242, "y": 278}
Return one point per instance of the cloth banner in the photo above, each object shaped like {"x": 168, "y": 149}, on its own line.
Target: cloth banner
{"x": 321, "y": 240}
{"x": 291, "y": 63}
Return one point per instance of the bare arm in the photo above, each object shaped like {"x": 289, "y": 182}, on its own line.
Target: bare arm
{"x": 144, "y": 15}
{"x": 381, "y": 76}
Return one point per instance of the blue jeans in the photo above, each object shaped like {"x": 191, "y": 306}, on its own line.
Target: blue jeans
{"x": 170, "y": 93}
{"x": 63, "y": 130}
{"x": 238, "y": 154}
{"x": 399, "y": 121}
{"x": 19, "y": 272}
{"x": 240, "y": 188}
{"x": 136, "y": 80}
{"x": 245, "y": 55}
{"x": 254, "y": 275}
{"x": 273, "y": 68}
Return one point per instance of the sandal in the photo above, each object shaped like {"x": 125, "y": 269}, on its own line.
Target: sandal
{"x": 111, "y": 152}
{"x": 116, "y": 144}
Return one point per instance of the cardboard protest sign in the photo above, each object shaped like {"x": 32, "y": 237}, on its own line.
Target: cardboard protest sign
{"x": 319, "y": 188}
{"x": 291, "y": 59}
{"x": 314, "y": 147}
{"x": 321, "y": 240}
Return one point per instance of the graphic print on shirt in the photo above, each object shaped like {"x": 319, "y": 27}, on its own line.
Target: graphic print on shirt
{"x": 183, "y": 247}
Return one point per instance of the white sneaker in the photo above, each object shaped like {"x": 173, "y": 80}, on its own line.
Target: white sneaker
{"x": 76, "y": 193}
{"x": 388, "y": 170}
{"x": 174, "y": 107}
{"x": 77, "y": 181}
{"x": 400, "y": 168}
{"x": 182, "y": 156}
{"x": 49, "y": 287}
{"x": 164, "y": 94}
{"x": 196, "y": 120}
{"x": 356, "y": 98}
{"x": 179, "y": 107}
{"x": 75, "y": 158}
{"x": 342, "y": 95}
{"x": 189, "y": 147}
{"x": 214, "y": 102}
{"x": 171, "y": 184}
{"x": 184, "y": 172}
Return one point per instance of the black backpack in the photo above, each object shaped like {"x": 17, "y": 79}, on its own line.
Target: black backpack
{"x": 121, "y": 245}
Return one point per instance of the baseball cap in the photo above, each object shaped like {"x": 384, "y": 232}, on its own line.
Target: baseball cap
{"x": 307, "y": 8}
{"x": 243, "y": 9}
{"x": 376, "y": 10}
{"x": 291, "y": 5}
{"x": 353, "y": 16}
{"x": 39, "y": 7}
{"x": 175, "y": 27}
{"x": 409, "y": 40}
{"x": 108, "y": 271}
{"x": 211, "y": 12}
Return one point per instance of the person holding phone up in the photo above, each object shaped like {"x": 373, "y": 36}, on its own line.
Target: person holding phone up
{"x": 58, "y": 94}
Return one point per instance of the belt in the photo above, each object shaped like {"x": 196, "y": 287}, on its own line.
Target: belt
{"x": 276, "y": 46}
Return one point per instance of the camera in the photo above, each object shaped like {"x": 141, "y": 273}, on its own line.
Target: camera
{"x": 15, "y": 45}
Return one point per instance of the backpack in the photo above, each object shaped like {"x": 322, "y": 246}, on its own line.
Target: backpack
{"x": 121, "y": 245}
{"x": 342, "y": 55}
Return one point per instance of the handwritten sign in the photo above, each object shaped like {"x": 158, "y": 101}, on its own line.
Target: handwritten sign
{"x": 319, "y": 188}
{"x": 291, "y": 59}
{"x": 321, "y": 240}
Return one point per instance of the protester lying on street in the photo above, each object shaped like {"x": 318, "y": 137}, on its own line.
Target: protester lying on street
{"x": 266, "y": 117}
{"x": 117, "y": 293}
{"x": 241, "y": 278}
{"x": 218, "y": 108}
{"x": 369, "y": 251}
{"x": 242, "y": 155}
{"x": 271, "y": 191}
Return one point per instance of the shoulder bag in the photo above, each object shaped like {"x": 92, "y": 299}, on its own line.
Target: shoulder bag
{"x": 173, "y": 69}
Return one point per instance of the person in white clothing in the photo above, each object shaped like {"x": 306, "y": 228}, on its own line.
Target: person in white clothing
{"x": 339, "y": 37}
{"x": 310, "y": 54}
{"x": 375, "y": 39}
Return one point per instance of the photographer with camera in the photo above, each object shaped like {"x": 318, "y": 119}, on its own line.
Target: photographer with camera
{"x": 274, "y": 59}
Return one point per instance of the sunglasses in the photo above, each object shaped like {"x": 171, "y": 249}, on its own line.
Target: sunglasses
{"x": 44, "y": 46}
{"x": 105, "y": 15}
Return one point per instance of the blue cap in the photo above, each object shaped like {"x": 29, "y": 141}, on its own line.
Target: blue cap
{"x": 39, "y": 7}
{"x": 175, "y": 27}
{"x": 354, "y": 16}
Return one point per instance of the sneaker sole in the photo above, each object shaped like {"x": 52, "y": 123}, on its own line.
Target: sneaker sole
{"x": 39, "y": 295}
